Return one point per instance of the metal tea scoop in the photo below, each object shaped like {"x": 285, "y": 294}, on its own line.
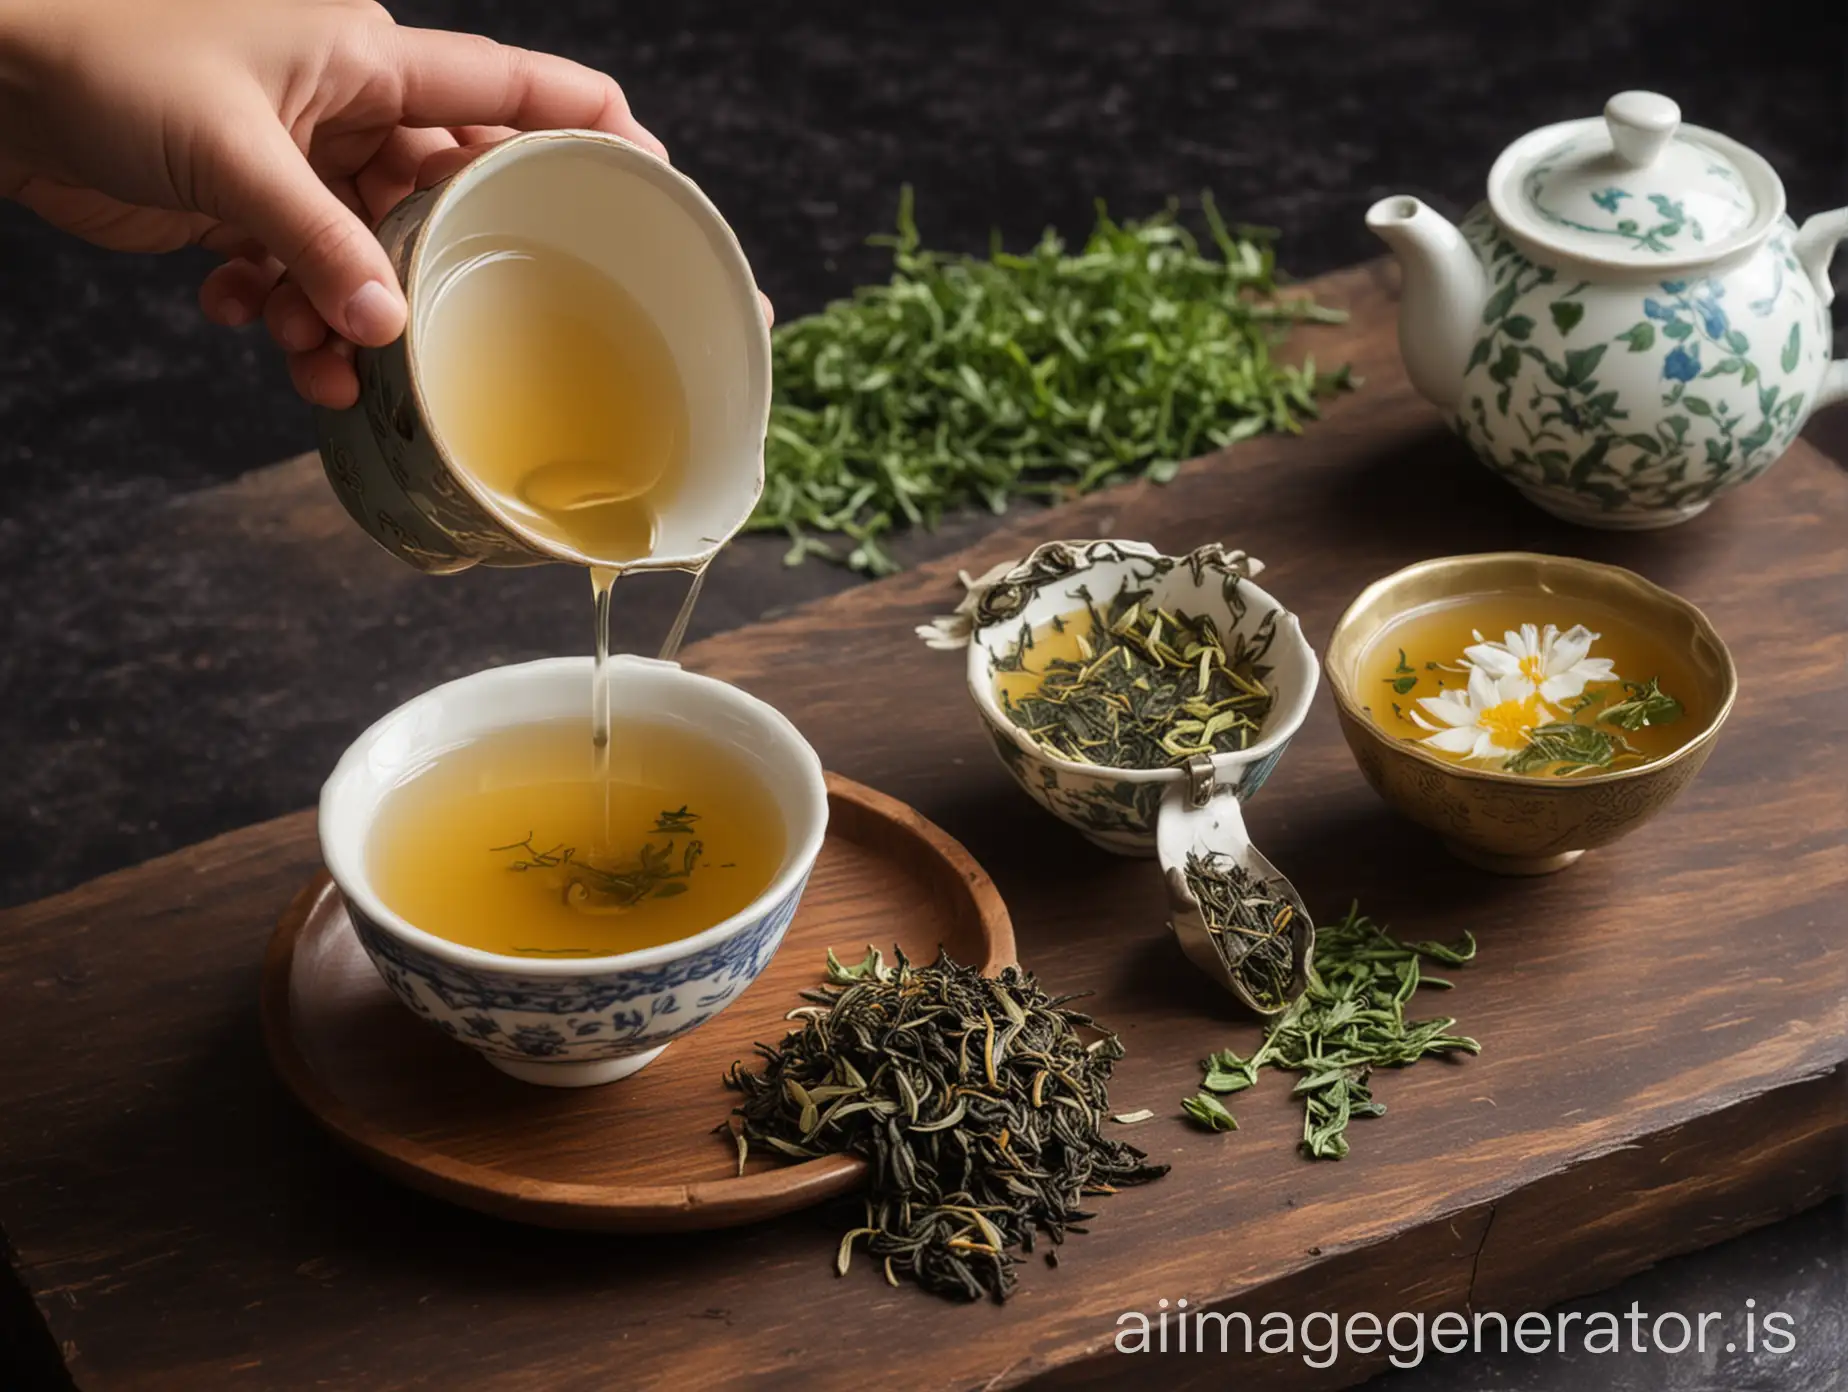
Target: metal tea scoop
{"x": 1206, "y": 830}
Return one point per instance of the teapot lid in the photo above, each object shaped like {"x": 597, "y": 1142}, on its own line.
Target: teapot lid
{"x": 1635, "y": 188}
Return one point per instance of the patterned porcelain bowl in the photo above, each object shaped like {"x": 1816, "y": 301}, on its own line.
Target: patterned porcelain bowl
{"x": 570, "y": 1023}
{"x": 1172, "y": 812}
{"x": 1511, "y": 823}
{"x": 1119, "y": 809}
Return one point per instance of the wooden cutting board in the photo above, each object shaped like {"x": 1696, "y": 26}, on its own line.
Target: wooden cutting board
{"x": 1665, "y": 1025}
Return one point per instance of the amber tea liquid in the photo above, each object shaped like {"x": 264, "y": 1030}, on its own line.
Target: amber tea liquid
{"x": 555, "y": 391}
{"x": 518, "y": 843}
{"x": 1439, "y": 634}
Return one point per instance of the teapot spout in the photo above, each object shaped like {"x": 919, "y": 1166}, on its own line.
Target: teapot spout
{"x": 1441, "y": 303}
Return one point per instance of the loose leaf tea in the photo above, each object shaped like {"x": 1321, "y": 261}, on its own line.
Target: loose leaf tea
{"x": 601, "y": 884}
{"x": 976, "y": 1101}
{"x": 1349, "y": 1021}
{"x": 1249, "y": 920}
{"x": 1568, "y": 747}
{"x": 967, "y": 381}
{"x": 1143, "y": 688}
{"x": 1646, "y": 705}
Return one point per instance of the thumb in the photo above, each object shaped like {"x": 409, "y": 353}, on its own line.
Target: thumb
{"x": 263, "y": 183}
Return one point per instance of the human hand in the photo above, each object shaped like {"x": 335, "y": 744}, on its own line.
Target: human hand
{"x": 273, "y": 132}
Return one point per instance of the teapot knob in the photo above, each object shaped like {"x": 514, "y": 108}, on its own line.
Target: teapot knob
{"x": 1640, "y": 125}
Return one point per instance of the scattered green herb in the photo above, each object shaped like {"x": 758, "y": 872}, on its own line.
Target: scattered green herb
{"x": 968, "y": 381}
{"x": 1402, "y": 685}
{"x": 1208, "y": 1111}
{"x": 1572, "y": 746}
{"x": 1647, "y": 704}
{"x": 1349, "y": 1021}
{"x": 1152, "y": 687}
{"x": 976, "y": 1102}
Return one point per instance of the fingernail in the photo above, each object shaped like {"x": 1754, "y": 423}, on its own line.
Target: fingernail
{"x": 374, "y": 315}
{"x": 235, "y": 312}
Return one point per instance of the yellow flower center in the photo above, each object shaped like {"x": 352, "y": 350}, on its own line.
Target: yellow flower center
{"x": 1533, "y": 667}
{"x": 1511, "y": 721}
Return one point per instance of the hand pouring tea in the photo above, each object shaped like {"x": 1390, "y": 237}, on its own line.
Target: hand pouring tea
{"x": 565, "y": 288}
{"x": 1142, "y": 698}
{"x": 584, "y": 377}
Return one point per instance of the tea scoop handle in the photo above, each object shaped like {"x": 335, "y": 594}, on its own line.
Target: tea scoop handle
{"x": 1200, "y": 818}
{"x": 1815, "y": 246}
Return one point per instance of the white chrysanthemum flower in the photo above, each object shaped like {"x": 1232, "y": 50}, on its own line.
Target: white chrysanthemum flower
{"x": 1492, "y": 719}
{"x": 1552, "y": 665}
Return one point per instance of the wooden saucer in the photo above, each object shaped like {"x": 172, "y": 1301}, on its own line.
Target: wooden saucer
{"x": 637, "y": 1155}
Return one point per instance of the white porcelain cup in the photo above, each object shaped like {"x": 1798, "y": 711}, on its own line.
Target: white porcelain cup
{"x": 570, "y": 1022}
{"x": 645, "y": 226}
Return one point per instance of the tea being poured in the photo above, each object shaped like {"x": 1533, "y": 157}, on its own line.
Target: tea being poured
{"x": 1530, "y": 683}
{"x": 556, "y": 392}
{"x": 526, "y": 843}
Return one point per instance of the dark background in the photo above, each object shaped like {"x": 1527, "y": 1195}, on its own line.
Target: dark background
{"x": 164, "y": 678}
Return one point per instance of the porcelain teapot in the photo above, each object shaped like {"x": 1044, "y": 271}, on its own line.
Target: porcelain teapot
{"x": 1629, "y": 326}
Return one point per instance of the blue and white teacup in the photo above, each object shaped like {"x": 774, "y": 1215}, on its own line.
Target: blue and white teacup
{"x": 577, "y": 1021}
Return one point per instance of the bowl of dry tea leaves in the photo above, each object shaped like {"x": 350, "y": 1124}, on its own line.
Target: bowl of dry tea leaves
{"x": 1142, "y": 698}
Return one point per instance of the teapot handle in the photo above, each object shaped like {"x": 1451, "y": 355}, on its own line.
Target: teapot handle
{"x": 1816, "y": 242}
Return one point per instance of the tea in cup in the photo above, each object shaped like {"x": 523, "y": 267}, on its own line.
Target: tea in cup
{"x": 584, "y": 375}
{"x": 568, "y": 914}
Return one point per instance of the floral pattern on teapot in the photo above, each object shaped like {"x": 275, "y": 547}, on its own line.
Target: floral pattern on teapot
{"x": 1638, "y": 405}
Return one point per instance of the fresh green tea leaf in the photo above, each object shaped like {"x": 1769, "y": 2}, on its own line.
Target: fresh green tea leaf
{"x": 1349, "y": 1021}
{"x": 1206, "y": 1110}
{"x": 1647, "y": 704}
{"x": 1570, "y": 745}
{"x": 969, "y": 381}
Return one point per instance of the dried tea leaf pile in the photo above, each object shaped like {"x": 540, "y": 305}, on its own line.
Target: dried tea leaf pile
{"x": 1250, "y": 922}
{"x": 1349, "y": 1021}
{"x": 969, "y": 381}
{"x": 1151, "y": 687}
{"x": 977, "y": 1103}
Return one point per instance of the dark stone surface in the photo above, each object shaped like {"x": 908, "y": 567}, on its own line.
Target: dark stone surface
{"x": 181, "y": 660}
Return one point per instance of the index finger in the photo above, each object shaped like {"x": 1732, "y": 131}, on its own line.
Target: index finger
{"x": 449, "y": 79}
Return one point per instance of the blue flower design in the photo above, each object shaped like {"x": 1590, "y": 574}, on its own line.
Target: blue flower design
{"x": 1674, "y": 287}
{"x": 1683, "y": 364}
{"x": 1712, "y": 317}
{"x": 540, "y": 1041}
{"x": 1607, "y": 198}
{"x": 1655, "y": 309}
{"x": 481, "y": 1026}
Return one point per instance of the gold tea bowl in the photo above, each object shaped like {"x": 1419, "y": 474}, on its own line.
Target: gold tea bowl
{"x": 1510, "y": 823}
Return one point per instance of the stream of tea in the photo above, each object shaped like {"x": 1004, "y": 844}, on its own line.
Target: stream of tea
{"x": 558, "y": 396}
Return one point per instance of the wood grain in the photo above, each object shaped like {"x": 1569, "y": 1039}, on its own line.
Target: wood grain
{"x": 1665, "y": 1025}
{"x": 639, "y": 1156}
